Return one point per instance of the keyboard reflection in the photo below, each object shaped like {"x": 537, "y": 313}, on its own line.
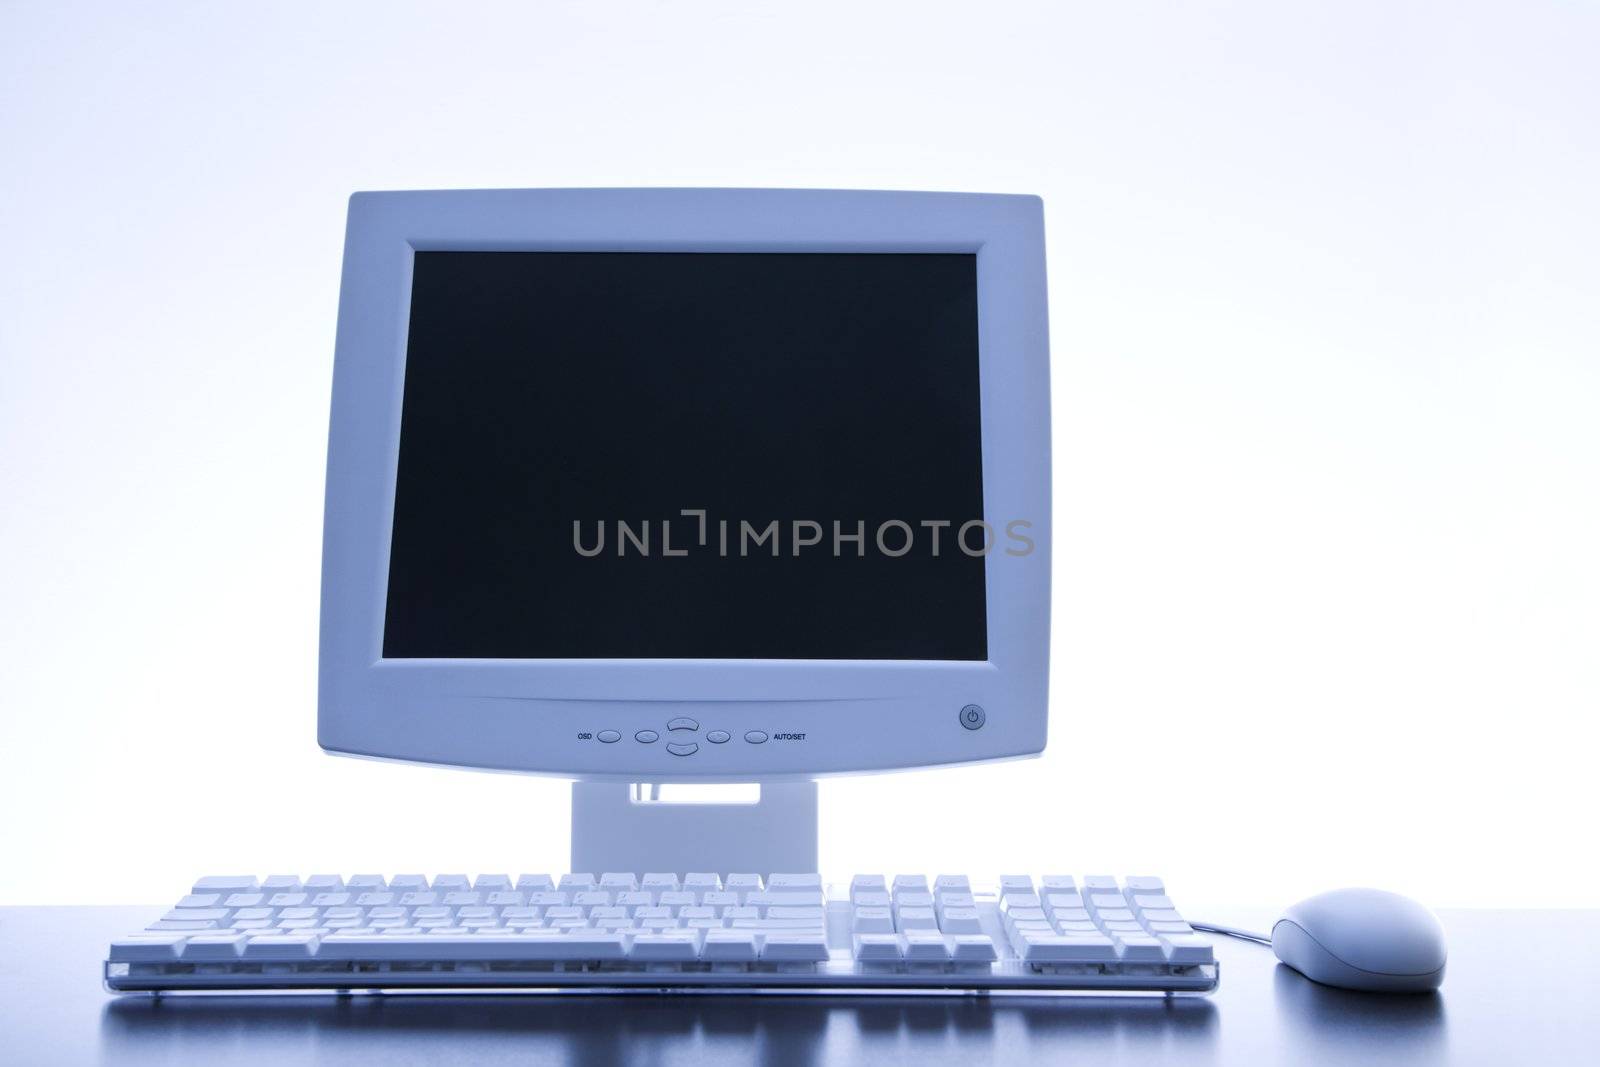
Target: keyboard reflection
{"x": 610, "y": 1030}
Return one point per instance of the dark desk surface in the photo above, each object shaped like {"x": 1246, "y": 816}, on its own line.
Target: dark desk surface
{"x": 1522, "y": 987}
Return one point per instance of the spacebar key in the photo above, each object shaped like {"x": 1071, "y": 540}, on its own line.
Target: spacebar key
{"x": 467, "y": 949}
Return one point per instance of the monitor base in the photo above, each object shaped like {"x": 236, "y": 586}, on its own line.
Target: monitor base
{"x": 621, "y": 827}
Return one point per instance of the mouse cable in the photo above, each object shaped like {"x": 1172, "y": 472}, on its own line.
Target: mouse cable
{"x": 1232, "y": 931}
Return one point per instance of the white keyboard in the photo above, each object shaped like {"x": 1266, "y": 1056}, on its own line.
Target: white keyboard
{"x": 669, "y": 932}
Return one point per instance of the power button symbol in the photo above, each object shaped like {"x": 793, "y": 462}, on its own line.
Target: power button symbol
{"x": 973, "y": 717}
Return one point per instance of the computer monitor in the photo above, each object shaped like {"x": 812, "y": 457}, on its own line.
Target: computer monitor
{"x": 666, "y": 485}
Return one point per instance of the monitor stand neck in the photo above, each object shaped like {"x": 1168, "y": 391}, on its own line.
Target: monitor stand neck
{"x": 621, "y": 827}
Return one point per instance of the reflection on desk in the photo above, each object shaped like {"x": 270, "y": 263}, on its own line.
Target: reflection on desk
{"x": 611, "y": 1030}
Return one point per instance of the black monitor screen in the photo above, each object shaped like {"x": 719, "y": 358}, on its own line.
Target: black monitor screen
{"x": 646, "y": 455}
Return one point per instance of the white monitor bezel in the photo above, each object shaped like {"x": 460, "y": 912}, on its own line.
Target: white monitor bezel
{"x": 531, "y": 715}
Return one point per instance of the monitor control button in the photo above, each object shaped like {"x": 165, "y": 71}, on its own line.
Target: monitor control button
{"x": 973, "y": 717}
{"x": 646, "y": 737}
{"x": 756, "y": 737}
{"x": 718, "y": 737}
{"x": 683, "y": 750}
{"x": 683, "y": 724}
{"x": 609, "y": 737}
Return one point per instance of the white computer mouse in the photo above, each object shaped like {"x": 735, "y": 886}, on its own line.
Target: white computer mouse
{"x": 1363, "y": 939}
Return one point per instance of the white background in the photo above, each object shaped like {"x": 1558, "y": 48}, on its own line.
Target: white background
{"x": 1327, "y": 364}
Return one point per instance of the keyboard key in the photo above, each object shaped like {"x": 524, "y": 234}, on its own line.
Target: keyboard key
{"x": 1142, "y": 884}
{"x": 1099, "y": 883}
{"x": 280, "y": 883}
{"x": 730, "y": 946}
{"x": 195, "y": 914}
{"x": 659, "y": 881}
{"x": 795, "y": 881}
{"x": 409, "y": 883}
{"x": 1057, "y": 883}
{"x": 915, "y": 919}
{"x": 1054, "y": 902}
{"x": 701, "y": 881}
{"x": 491, "y": 883}
{"x": 797, "y": 948}
{"x": 574, "y": 883}
{"x": 324, "y": 883}
{"x": 616, "y": 881}
{"x": 1187, "y": 950}
{"x": 1012, "y": 900}
{"x": 147, "y": 948}
{"x": 207, "y": 900}
{"x": 226, "y": 948}
{"x": 173, "y": 925}
{"x": 226, "y": 884}
{"x": 972, "y": 948}
{"x": 960, "y": 921}
{"x": 775, "y": 924}
{"x": 877, "y": 947}
{"x": 534, "y": 883}
{"x": 450, "y": 883}
{"x": 366, "y": 883}
{"x": 957, "y": 883}
{"x": 1016, "y": 883}
{"x": 800, "y": 898}
{"x": 910, "y": 883}
{"x": 742, "y": 883}
{"x": 1066, "y": 948}
{"x": 442, "y": 945}
{"x": 872, "y": 920}
{"x": 679, "y": 946}
{"x": 925, "y": 946}
{"x": 867, "y": 883}
{"x": 286, "y": 946}
{"x": 1140, "y": 948}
